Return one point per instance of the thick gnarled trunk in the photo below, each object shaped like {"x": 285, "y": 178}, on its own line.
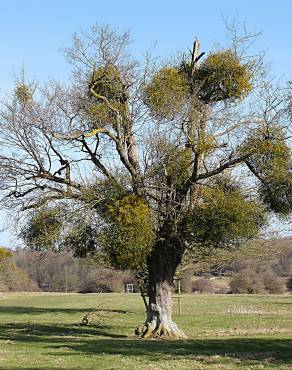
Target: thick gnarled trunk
{"x": 162, "y": 265}
{"x": 159, "y": 323}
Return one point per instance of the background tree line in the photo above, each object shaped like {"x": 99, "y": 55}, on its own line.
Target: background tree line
{"x": 24, "y": 270}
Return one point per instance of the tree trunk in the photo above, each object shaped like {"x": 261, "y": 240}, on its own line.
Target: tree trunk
{"x": 159, "y": 323}
{"x": 162, "y": 265}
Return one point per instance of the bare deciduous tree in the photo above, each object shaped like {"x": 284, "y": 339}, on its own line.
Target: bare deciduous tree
{"x": 158, "y": 157}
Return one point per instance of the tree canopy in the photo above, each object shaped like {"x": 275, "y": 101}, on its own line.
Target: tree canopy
{"x": 144, "y": 161}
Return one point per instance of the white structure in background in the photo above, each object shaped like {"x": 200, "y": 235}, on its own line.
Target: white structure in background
{"x": 129, "y": 288}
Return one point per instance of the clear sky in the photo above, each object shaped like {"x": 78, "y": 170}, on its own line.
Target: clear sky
{"x": 32, "y": 32}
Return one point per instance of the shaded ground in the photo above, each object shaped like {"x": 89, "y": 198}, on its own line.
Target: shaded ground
{"x": 43, "y": 337}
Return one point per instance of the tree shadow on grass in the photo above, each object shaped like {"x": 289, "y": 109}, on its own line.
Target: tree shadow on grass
{"x": 238, "y": 346}
{"x": 16, "y": 310}
{"x": 70, "y": 340}
{"x": 250, "y": 351}
{"x": 36, "y": 368}
{"x": 84, "y": 340}
{"x": 52, "y": 333}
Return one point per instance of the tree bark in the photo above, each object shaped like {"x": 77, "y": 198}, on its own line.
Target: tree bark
{"x": 162, "y": 265}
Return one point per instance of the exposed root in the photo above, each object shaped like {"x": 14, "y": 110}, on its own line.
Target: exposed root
{"x": 162, "y": 331}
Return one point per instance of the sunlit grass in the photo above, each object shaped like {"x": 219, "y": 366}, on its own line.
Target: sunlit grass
{"x": 41, "y": 331}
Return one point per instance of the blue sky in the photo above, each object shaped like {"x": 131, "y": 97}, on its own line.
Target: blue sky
{"x": 32, "y": 32}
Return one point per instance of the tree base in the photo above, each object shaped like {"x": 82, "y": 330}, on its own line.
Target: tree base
{"x": 162, "y": 331}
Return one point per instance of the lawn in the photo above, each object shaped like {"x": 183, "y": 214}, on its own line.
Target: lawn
{"x": 41, "y": 331}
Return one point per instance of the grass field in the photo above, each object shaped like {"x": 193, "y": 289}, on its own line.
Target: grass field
{"x": 40, "y": 331}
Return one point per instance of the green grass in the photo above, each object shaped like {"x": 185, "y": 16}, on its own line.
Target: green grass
{"x": 40, "y": 331}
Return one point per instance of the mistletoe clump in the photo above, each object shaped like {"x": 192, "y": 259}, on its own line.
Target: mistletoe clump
{"x": 42, "y": 230}
{"x": 271, "y": 163}
{"x": 165, "y": 95}
{"x": 225, "y": 216}
{"x": 129, "y": 232}
{"x": 107, "y": 95}
{"x": 23, "y": 93}
{"x": 222, "y": 76}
